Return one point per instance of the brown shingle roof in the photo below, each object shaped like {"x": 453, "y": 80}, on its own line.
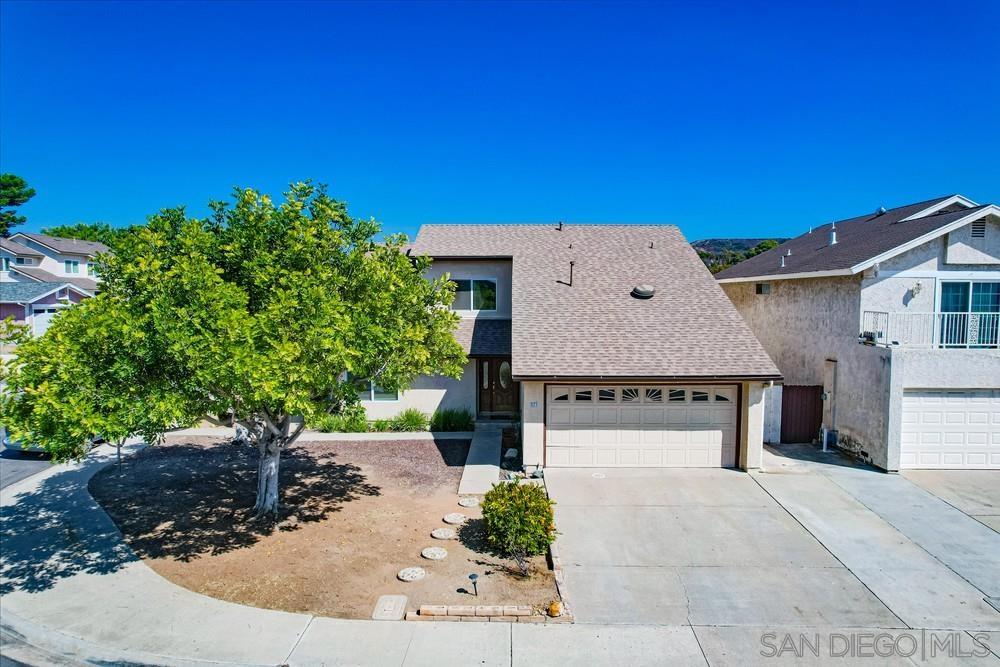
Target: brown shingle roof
{"x": 18, "y": 249}
{"x": 484, "y": 338}
{"x": 67, "y": 246}
{"x": 858, "y": 240}
{"x": 594, "y": 328}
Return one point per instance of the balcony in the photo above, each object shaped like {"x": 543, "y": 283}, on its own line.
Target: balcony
{"x": 931, "y": 330}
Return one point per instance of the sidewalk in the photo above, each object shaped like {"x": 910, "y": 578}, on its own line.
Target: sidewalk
{"x": 71, "y": 588}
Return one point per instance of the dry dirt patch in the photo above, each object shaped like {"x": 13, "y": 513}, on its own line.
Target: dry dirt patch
{"x": 353, "y": 515}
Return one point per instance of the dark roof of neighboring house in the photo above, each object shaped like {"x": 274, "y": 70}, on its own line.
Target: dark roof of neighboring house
{"x": 66, "y": 246}
{"x": 594, "y": 328}
{"x": 859, "y": 240}
{"x": 18, "y": 249}
{"x": 44, "y": 276}
{"x": 484, "y": 337}
{"x": 25, "y": 292}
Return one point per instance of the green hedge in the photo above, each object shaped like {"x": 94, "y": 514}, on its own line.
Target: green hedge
{"x": 353, "y": 420}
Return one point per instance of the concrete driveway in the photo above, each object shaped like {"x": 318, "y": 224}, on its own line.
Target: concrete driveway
{"x": 700, "y": 547}
{"x": 808, "y": 542}
{"x": 972, "y": 492}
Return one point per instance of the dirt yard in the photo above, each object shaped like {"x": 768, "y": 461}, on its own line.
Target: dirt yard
{"x": 353, "y": 515}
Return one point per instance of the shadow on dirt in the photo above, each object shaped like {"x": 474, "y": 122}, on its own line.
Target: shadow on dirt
{"x": 178, "y": 501}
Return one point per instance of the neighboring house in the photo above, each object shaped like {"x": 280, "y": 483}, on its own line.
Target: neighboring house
{"x": 885, "y": 328}
{"x": 35, "y": 303}
{"x": 598, "y": 373}
{"x": 40, "y": 274}
{"x": 31, "y": 257}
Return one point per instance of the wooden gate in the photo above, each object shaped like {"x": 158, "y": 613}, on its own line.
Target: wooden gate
{"x": 801, "y": 413}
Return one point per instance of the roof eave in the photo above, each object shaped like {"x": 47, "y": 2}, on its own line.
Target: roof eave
{"x": 989, "y": 209}
{"x": 739, "y": 377}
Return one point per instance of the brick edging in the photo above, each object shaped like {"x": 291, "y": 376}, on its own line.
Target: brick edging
{"x": 521, "y": 613}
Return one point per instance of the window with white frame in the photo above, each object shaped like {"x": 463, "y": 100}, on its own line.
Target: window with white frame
{"x": 23, "y": 261}
{"x": 5, "y": 263}
{"x": 475, "y": 294}
{"x": 72, "y": 266}
{"x": 369, "y": 391}
{"x": 91, "y": 269}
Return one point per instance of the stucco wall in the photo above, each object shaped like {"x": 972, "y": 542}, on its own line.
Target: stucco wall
{"x": 499, "y": 270}
{"x": 910, "y": 282}
{"x": 810, "y": 328}
{"x": 533, "y": 423}
{"x": 801, "y": 322}
{"x": 430, "y": 393}
{"x": 752, "y": 426}
{"x": 964, "y": 249}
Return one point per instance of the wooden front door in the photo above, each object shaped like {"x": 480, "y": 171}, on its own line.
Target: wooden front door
{"x": 498, "y": 393}
{"x": 801, "y": 413}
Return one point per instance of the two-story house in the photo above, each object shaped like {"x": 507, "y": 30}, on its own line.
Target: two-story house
{"x": 886, "y": 328}
{"x": 41, "y": 274}
{"x": 611, "y": 344}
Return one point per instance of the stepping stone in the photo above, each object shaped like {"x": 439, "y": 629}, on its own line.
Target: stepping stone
{"x": 434, "y": 553}
{"x": 455, "y": 518}
{"x": 390, "y": 608}
{"x": 469, "y": 501}
{"x": 411, "y": 574}
{"x": 443, "y": 534}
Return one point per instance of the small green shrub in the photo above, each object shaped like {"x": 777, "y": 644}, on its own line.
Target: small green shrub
{"x": 452, "y": 419}
{"x": 351, "y": 420}
{"x": 410, "y": 419}
{"x": 380, "y": 426}
{"x": 518, "y": 521}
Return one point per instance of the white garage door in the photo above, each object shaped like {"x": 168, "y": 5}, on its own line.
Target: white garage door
{"x": 641, "y": 426}
{"x": 950, "y": 429}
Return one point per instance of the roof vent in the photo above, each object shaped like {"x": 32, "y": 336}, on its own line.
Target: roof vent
{"x": 833, "y": 233}
{"x": 643, "y": 291}
{"x": 880, "y": 211}
{"x": 782, "y": 265}
{"x": 559, "y": 228}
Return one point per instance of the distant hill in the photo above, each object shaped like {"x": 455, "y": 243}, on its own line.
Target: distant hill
{"x": 719, "y": 254}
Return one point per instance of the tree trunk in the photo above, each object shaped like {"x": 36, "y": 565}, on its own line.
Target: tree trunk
{"x": 267, "y": 475}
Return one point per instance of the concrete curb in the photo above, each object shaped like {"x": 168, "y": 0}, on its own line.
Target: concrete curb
{"x": 319, "y": 436}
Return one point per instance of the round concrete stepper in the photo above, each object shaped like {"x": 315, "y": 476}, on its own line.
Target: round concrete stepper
{"x": 443, "y": 534}
{"x": 455, "y": 518}
{"x": 468, "y": 501}
{"x": 411, "y": 574}
{"x": 434, "y": 553}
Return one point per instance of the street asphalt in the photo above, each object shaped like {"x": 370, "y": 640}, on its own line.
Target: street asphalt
{"x": 16, "y": 465}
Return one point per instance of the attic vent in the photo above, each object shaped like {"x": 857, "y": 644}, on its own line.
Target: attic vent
{"x": 979, "y": 229}
{"x": 643, "y": 291}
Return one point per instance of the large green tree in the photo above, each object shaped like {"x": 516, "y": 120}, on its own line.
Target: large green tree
{"x": 14, "y": 191}
{"x": 261, "y": 309}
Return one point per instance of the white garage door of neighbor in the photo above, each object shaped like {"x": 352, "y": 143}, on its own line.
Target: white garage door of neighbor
{"x": 950, "y": 429}
{"x": 641, "y": 426}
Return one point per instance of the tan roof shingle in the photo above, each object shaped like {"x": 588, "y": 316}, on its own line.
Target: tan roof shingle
{"x": 594, "y": 328}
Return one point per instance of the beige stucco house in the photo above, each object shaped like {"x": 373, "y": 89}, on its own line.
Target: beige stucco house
{"x": 612, "y": 344}
{"x": 886, "y": 328}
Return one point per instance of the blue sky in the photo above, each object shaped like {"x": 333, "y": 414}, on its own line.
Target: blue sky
{"x": 727, "y": 118}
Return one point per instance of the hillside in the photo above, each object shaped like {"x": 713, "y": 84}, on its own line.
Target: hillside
{"x": 719, "y": 254}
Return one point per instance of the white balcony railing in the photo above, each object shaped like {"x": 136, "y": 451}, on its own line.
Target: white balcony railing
{"x": 944, "y": 330}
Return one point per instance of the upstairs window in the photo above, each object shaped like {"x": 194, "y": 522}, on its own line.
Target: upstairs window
{"x": 23, "y": 261}
{"x": 5, "y": 263}
{"x": 91, "y": 270}
{"x": 763, "y": 288}
{"x": 475, "y": 294}
{"x": 72, "y": 266}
